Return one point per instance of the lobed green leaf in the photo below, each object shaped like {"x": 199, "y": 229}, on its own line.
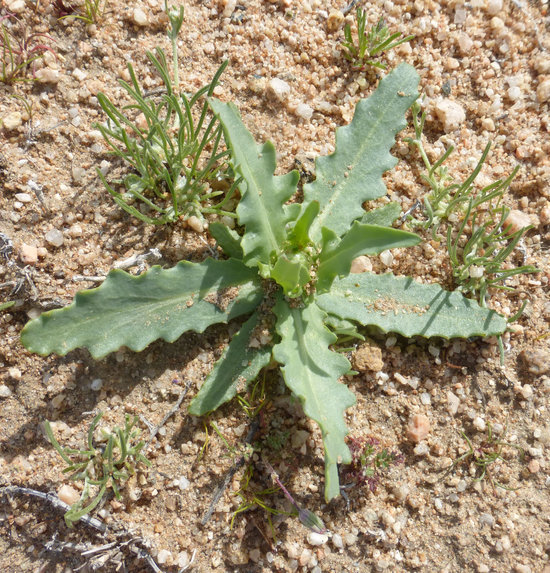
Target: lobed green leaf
{"x": 353, "y": 173}
{"x": 238, "y": 365}
{"x": 383, "y": 216}
{"x": 311, "y": 370}
{"x": 402, "y": 305}
{"x": 263, "y": 195}
{"x": 134, "y": 311}
{"x": 337, "y": 255}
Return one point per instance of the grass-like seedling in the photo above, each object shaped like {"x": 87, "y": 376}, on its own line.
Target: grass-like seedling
{"x": 368, "y": 463}
{"x": 101, "y": 467}
{"x": 19, "y": 50}
{"x": 178, "y": 161}
{"x": 479, "y": 240}
{"x": 90, "y": 12}
{"x": 287, "y": 274}
{"x": 479, "y": 250}
{"x": 369, "y": 44}
{"x": 484, "y": 456}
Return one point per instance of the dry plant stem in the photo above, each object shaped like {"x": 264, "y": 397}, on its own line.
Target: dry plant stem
{"x": 53, "y": 500}
{"x": 86, "y": 519}
{"x": 170, "y": 413}
{"x": 229, "y": 476}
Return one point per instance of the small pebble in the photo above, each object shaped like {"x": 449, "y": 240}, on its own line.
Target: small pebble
{"x": 12, "y": 121}
{"x": 5, "y": 392}
{"x": 488, "y": 124}
{"x": 536, "y": 361}
{"x": 58, "y": 400}
{"x": 451, "y": 114}
{"x": 534, "y": 466}
{"x": 228, "y": 8}
{"x": 164, "y": 557}
{"x": 350, "y": 539}
{"x": 535, "y": 452}
{"x": 96, "y": 384}
{"x": 304, "y": 111}
{"x": 386, "y": 258}
{"x": 16, "y": 6}
{"x": 75, "y": 231}
{"x": 195, "y": 223}
{"x": 278, "y": 89}
{"x": 182, "y": 560}
{"x": 465, "y": 43}
{"x": 421, "y": 450}
{"x": 139, "y": 17}
{"x": 361, "y": 264}
{"x": 54, "y": 238}
{"x": 479, "y": 424}
{"x": 516, "y": 220}
{"x": 425, "y": 398}
{"x": 514, "y": 93}
{"x": 461, "y": 485}
{"x": 28, "y": 254}
{"x": 317, "y": 538}
{"x": 337, "y": 541}
{"x": 68, "y": 494}
{"x": 15, "y": 374}
{"x": 487, "y": 519}
{"x": 23, "y": 197}
{"x": 304, "y": 558}
{"x": 418, "y": 428}
{"x": 183, "y": 483}
{"x": 521, "y": 568}
{"x": 368, "y": 357}
{"x": 543, "y": 91}
{"x": 542, "y": 63}
{"x": 47, "y": 76}
{"x": 453, "y": 402}
{"x": 334, "y": 20}
{"x": 494, "y": 7}
{"x": 78, "y": 174}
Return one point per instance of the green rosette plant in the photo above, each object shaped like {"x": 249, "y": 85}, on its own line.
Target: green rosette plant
{"x": 287, "y": 274}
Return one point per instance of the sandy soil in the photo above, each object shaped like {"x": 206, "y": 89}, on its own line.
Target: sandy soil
{"x": 492, "y": 59}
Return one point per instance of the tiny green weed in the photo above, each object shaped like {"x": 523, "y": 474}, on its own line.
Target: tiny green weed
{"x": 368, "y": 463}
{"x": 19, "y": 50}
{"x": 369, "y": 44}
{"x": 484, "y": 456}
{"x": 179, "y": 165}
{"x": 100, "y": 467}
{"x": 479, "y": 240}
{"x": 90, "y": 12}
{"x": 252, "y": 499}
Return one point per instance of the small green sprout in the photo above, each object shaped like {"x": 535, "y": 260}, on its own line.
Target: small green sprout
{"x": 371, "y": 44}
{"x": 6, "y": 305}
{"x": 18, "y": 50}
{"x": 484, "y": 456}
{"x": 479, "y": 263}
{"x": 179, "y": 167}
{"x": 479, "y": 240}
{"x": 90, "y": 12}
{"x": 368, "y": 462}
{"x": 251, "y": 499}
{"x": 100, "y": 467}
